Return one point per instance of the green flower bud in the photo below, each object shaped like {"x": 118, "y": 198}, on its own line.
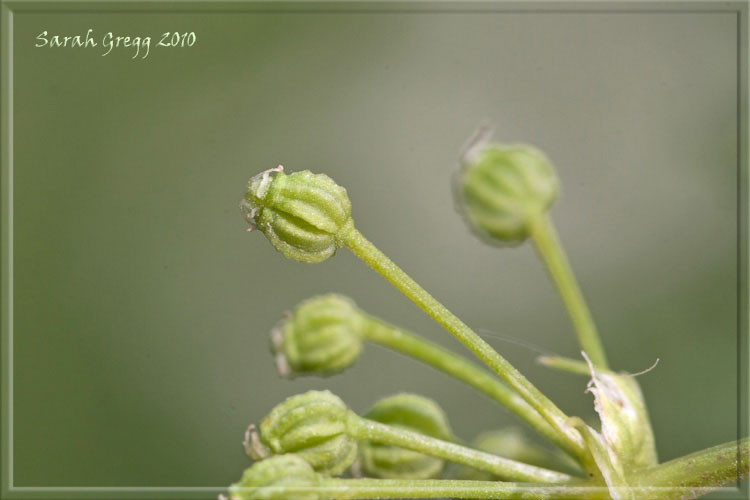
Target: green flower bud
{"x": 322, "y": 336}
{"x": 278, "y": 478}
{"x": 301, "y": 213}
{"x": 501, "y": 186}
{"x": 312, "y": 425}
{"x": 412, "y": 412}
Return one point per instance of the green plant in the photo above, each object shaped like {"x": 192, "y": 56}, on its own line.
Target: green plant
{"x": 504, "y": 192}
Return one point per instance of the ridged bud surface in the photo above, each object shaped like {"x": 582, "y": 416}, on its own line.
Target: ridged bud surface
{"x": 412, "y": 412}
{"x": 322, "y": 336}
{"x": 301, "y": 214}
{"x": 313, "y": 426}
{"x": 276, "y": 479}
{"x": 501, "y": 186}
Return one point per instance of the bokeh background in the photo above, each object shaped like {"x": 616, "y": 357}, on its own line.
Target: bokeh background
{"x": 142, "y": 305}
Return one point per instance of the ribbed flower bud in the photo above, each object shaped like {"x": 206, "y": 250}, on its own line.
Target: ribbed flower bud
{"x": 322, "y": 336}
{"x": 301, "y": 213}
{"x": 501, "y": 186}
{"x": 311, "y": 425}
{"x": 282, "y": 477}
{"x": 412, "y": 412}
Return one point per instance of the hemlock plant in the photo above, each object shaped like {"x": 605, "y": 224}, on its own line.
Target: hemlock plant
{"x": 399, "y": 448}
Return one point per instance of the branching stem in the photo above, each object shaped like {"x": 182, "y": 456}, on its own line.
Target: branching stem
{"x": 377, "y": 260}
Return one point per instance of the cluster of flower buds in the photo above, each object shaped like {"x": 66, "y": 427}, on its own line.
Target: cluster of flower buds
{"x": 412, "y": 412}
{"x": 499, "y": 187}
{"x": 502, "y": 191}
{"x": 319, "y": 429}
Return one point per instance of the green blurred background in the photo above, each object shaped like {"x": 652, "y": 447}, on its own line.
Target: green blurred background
{"x": 142, "y": 305}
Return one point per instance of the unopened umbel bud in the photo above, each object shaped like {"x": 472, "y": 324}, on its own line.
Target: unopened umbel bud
{"x": 412, "y": 412}
{"x": 313, "y": 426}
{"x": 301, "y": 214}
{"x": 322, "y": 336}
{"x": 283, "y": 477}
{"x": 501, "y": 186}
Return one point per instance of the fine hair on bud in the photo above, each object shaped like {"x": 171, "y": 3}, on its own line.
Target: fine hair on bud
{"x": 411, "y": 412}
{"x": 313, "y": 426}
{"x": 301, "y": 214}
{"x": 322, "y": 336}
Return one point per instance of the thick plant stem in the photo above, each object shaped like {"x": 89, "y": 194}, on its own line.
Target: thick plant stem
{"x": 698, "y": 473}
{"x": 377, "y": 260}
{"x": 448, "y": 362}
{"x": 550, "y": 250}
{"x": 356, "y": 489}
{"x": 364, "y": 429}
